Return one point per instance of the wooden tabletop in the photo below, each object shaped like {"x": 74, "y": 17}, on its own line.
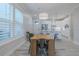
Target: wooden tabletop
{"x": 41, "y": 36}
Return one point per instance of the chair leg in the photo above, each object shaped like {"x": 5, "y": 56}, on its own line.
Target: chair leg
{"x": 29, "y": 51}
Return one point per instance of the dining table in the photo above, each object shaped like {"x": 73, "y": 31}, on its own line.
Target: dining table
{"x": 51, "y": 44}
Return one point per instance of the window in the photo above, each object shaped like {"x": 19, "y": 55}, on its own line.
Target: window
{"x": 7, "y": 27}
{"x": 19, "y": 22}
{"x": 5, "y": 18}
{"x": 18, "y": 16}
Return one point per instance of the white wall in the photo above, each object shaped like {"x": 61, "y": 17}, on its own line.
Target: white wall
{"x": 75, "y": 25}
{"x": 27, "y": 21}
{"x": 36, "y": 29}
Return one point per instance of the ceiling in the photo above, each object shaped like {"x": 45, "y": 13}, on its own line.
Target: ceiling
{"x": 57, "y": 10}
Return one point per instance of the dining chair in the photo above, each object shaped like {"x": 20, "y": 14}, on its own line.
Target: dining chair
{"x": 29, "y": 38}
{"x": 42, "y": 47}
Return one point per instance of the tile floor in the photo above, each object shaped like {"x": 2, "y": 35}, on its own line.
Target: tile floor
{"x": 63, "y": 48}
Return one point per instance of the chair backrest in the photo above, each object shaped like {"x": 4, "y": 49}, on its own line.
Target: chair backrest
{"x": 41, "y": 43}
{"x": 29, "y": 35}
{"x": 42, "y": 48}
